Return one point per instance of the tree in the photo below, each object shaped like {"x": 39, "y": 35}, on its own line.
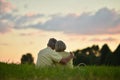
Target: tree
{"x": 105, "y": 55}
{"x": 86, "y": 56}
{"x": 95, "y": 47}
{"x": 116, "y": 55}
{"x": 27, "y": 59}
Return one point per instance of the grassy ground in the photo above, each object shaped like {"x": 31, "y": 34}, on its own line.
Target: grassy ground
{"x": 27, "y": 72}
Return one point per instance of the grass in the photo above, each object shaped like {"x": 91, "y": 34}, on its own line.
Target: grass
{"x": 30, "y": 72}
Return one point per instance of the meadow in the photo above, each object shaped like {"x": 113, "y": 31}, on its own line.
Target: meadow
{"x": 30, "y": 72}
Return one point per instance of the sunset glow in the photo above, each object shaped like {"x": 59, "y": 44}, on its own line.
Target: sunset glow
{"x": 27, "y": 25}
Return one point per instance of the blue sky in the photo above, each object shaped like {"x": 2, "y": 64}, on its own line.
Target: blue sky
{"x": 63, "y": 6}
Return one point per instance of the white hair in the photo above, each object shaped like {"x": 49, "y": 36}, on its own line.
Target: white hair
{"x": 60, "y": 46}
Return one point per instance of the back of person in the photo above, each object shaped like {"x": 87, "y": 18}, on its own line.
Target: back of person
{"x": 47, "y": 57}
{"x": 65, "y": 54}
{"x": 44, "y": 57}
{"x": 60, "y": 49}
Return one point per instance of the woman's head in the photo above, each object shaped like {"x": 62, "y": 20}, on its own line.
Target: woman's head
{"x": 60, "y": 46}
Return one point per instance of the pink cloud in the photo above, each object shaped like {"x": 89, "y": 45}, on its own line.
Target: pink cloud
{"x": 103, "y": 39}
{"x": 5, "y": 26}
{"x": 4, "y": 44}
{"x": 5, "y": 6}
{"x": 109, "y": 39}
{"x": 95, "y": 39}
{"x": 114, "y": 30}
{"x": 26, "y": 34}
{"x": 104, "y": 21}
{"x": 30, "y": 14}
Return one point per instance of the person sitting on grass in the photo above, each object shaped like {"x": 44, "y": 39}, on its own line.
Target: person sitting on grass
{"x": 48, "y": 57}
{"x": 60, "y": 49}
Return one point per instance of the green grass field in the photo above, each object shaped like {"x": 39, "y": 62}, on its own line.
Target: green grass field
{"x": 29, "y": 72}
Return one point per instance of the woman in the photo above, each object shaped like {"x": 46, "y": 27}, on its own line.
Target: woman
{"x": 60, "y": 49}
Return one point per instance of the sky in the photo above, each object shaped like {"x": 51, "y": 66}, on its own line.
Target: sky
{"x": 27, "y": 25}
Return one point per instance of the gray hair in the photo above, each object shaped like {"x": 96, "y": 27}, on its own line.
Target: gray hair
{"x": 60, "y": 46}
{"x": 52, "y": 42}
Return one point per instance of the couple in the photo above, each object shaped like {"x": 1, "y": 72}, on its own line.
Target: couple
{"x": 54, "y": 55}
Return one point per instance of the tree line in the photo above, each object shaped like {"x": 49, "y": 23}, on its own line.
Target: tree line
{"x": 96, "y": 56}
{"x": 88, "y": 56}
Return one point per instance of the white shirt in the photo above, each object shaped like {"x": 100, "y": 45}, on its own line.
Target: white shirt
{"x": 48, "y": 57}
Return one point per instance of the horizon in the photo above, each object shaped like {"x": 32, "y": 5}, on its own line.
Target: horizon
{"x": 18, "y": 62}
{"x": 27, "y": 25}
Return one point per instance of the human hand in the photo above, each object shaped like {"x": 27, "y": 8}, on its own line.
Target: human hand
{"x": 72, "y": 55}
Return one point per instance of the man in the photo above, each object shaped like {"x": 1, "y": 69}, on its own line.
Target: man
{"x": 48, "y": 57}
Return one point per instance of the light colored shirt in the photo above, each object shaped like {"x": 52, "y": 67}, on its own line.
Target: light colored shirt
{"x": 47, "y": 57}
{"x": 64, "y": 55}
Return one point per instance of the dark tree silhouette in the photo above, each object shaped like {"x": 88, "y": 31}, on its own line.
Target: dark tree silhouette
{"x": 116, "y": 56}
{"x": 105, "y": 55}
{"x": 86, "y": 56}
{"x": 24, "y": 59}
{"x": 27, "y": 59}
{"x": 95, "y": 47}
{"x": 76, "y": 60}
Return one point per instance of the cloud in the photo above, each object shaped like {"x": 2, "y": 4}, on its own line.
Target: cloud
{"x": 109, "y": 39}
{"x": 99, "y": 23}
{"x": 103, "y": 39}
{"x": 5, "y": 26}
{"x": 5, "y": 6}
{"x": 23, "y": 22}
{"x": 9, "y": 21}
{"x": 104, "y": 21}
{"x": 28, "y": 33}
{"x": 4, "y": 44}
{"x": 6, "y": 18}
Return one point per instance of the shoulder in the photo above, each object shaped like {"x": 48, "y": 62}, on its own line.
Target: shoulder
{"x": 65, "y": 52}
{"x": 42, "y": 51}
{"x": 54, "y": 52}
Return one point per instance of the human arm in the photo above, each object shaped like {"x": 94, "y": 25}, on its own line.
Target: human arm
{"x": 64, "y": 61}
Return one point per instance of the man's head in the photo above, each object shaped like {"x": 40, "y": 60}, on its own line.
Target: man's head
{"x": 51, "y": 43}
